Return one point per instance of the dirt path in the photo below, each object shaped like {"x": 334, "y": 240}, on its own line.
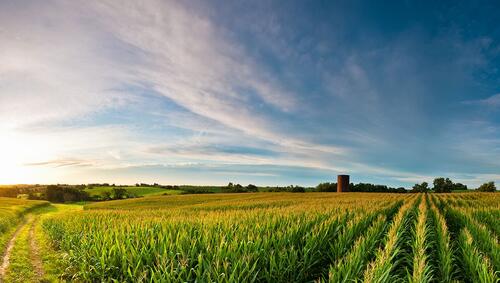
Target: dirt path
{"x": 22, "y": 248}
{"x": 36, "y": 260}
{"x": 8, "y": 251}
{"x": 27, "y": 253}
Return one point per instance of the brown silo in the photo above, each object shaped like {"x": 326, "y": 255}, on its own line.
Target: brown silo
{"x": 342, "y": 183}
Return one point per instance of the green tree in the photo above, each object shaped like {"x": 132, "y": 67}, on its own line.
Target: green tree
{"x": 442, "y": 185}
{"x": 487, "y": 187}
{"x": 326, "y": 187}
{"x": 459, "y": 187}
{"x": 119, "y": 193}
{"x": 296, "y": 189}
{"x": 421, "y": 188}
{"x": 252, "y": 188}
{"x": 106, "y": 195}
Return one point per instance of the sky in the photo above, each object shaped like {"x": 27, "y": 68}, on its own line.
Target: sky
{"x": 261, "y": 92}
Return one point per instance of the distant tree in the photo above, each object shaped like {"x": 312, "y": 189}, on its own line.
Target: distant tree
{"x": 232, "y": 188}
{"x": 106, "y": 195}
{"x": 119, "y": 193}
{"x": 442, "y": 185}
{"x": 487, "y": 187}
{"x": 459, "y": 187}
{"x": 252, "y": 188}
{"x": 400, "y": 190}
{"x": 239, "y": 189}
{"x": 420, "y": 188}
{"x": 326, "y": 187}
{"x": 64, "y": 193}
{"x": 34, "y": 196}
{"x": 69, "y": 196}
{"x": 296, "y": 189}
{"x": 54, "y": 194}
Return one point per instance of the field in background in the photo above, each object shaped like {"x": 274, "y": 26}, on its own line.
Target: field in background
{"x": 132, "y": 190}
{"x": 284, "y": 237}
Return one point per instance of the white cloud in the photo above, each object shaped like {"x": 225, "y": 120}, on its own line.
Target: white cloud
{"x": 492, "y": 101}
{"x": 50, "y": 66}
{"x": 69, "y": 59}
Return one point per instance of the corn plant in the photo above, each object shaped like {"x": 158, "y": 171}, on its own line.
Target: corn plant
{"x": 444, "y": 249}
{"x": 380, "y": 269}
{"x": 281, "y": 237}
{"x": 476, "y": 266}
{"x": 420, "y": 246}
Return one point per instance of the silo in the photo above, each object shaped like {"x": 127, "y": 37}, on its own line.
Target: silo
{"x": 342, "y": 183}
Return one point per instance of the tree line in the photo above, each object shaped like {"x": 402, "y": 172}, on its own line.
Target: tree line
{"x": 237, "y": 188}
{"x": 360, "y": 187}
{"x": 440, "y": 185}
{"x": 445, "y": 185}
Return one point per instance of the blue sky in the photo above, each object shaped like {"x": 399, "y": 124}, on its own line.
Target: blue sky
{"x": 263, "y": 92}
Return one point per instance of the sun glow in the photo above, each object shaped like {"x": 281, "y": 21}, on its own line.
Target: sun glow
{"x": 18, "y": 153}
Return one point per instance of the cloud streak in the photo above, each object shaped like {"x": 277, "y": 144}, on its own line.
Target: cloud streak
{"x": 492, "y": 101}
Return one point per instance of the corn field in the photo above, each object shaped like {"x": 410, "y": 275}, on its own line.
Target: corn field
{"x": 283, "y": 237}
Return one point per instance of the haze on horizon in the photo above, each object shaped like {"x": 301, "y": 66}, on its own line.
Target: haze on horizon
{"x": 262, "y": 92}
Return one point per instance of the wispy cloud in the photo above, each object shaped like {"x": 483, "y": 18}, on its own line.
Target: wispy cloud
{"x": 61, "y": 163}
{"x": 492, "y": 101}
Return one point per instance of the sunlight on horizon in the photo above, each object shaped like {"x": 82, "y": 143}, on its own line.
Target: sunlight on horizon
{"x": 17, "y": 151}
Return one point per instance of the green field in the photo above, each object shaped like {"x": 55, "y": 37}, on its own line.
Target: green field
{"x": 136, "y": 191}
{"x": 257, "y": 237}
